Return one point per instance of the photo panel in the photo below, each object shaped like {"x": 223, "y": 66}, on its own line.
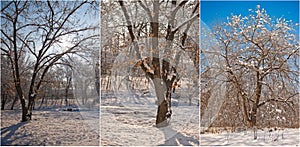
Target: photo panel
{"x": 50, "y": 77}
{"x": 150, "y": 73}
{"x": 249, "y": 73}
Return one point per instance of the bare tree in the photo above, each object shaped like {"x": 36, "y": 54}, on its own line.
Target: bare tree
{"x": 261, "y": 61}
{"x": 43, "y": 31}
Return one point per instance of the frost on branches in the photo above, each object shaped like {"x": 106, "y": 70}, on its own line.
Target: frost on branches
{"x": 261, "y": 65}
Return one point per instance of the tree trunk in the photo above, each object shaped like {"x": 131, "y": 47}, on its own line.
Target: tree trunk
{"x": 13, "y": 104}
{"x": 97, "y": 77}
{"x": 46, "y": 101}
{"x": 16, "y": 71}
{"x": 107, "y": 83}
{"x": 3, "y": 101}
{"x": 24, "y": 110}
{"x": 255, "y": 104}
{"x": 42, "y": 102}
{"x": 161, "y": 117}
{"x": 61, "y": 101}
{"x": 160, "y": 89}
{"x": 69, "y": 79}
{"x": 31, "y": 104}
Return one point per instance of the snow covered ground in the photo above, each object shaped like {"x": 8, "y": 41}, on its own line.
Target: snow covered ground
{"x": 50, "y": 127}
{"x": 135, "y": 126}
{"x": 127, "y": 125}
{"x": 286, "y": 137}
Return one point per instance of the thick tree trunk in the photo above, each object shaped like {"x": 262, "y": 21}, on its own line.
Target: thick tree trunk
{"x": 164, "y": 111}
{"x": 24, "y": 111}
{"x": 160, "y": 89}
{"x": 161, "y": 117}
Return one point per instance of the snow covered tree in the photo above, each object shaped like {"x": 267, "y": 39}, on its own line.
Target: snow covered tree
{"x": 261, "y": 61}
{"x": 43, "y": 31}
{"x": 158, "y": 27}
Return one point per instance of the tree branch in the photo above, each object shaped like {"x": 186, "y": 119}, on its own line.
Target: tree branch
{"x": 195, "y": 17}
{"x": 277, "y": 100}
{"x": 127, "y": 18}
{"x": 146, "y": 9}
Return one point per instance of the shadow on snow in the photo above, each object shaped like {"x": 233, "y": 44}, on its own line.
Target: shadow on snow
{"x": 8, "y": 134}
{"x": 174, "y": 138}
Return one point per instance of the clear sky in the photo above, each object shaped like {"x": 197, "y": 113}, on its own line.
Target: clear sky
{"x": 213, "y": 12}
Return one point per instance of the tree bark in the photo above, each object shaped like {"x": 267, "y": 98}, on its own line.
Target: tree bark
{"x": 255, "y": 103}
{"x": 160, "y": 89}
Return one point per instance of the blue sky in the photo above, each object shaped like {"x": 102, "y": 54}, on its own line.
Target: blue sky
{"x": 213, "y": 12}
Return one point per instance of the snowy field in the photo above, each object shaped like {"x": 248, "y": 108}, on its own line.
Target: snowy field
{"x": 266, "y": 137}
{"x": 129, "y": 125}
{"x": 50, "y": 127}
{"x": 135, "y": 126}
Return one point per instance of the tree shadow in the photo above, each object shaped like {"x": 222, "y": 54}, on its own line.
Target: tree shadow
{"x": 174, "y": 138}
{"x": 8, "y": 134}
